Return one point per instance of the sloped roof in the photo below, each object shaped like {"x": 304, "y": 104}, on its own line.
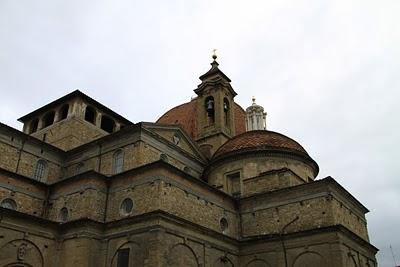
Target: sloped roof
{"x": 69, "y": 96}
{"x": 259, "y": 140}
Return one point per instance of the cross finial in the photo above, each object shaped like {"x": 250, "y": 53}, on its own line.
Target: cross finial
{"x": 214, "y": 56}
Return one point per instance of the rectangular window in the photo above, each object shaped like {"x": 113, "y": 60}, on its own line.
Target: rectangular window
{"x": 123, "y": 257}
{"x": 233, "y": 181}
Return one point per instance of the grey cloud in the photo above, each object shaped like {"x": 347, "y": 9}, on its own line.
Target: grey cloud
{"x": 326, "y": 72}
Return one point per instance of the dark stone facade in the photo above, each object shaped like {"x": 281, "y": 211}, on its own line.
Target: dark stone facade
{"x": 91, "y": 188}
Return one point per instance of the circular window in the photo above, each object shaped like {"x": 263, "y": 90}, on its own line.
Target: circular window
{"x": 223, "y": 223}
{"x": 63, "y": 214}
{"x": 126, "y": 206}
{"x": 9, "y": 203}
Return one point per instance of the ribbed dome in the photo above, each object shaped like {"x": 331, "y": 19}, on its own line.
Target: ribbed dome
{"x": 259, "y": 141}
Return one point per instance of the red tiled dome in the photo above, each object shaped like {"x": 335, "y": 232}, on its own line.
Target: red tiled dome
{"x": 185, "y": 115}
{"x": 259, "y": 140}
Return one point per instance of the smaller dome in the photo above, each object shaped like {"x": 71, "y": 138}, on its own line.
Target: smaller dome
{"x": 259, "y": 140}
{"x": 263, "y": 141}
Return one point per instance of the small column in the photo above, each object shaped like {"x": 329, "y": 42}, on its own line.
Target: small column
{"x": 117, "y": 126}
{"x": 98, "y": 119}
{"x": 56, "y": 115}
{"x": 40, "y": 124}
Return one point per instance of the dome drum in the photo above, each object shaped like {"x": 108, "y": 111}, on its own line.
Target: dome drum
{"x": 256, "y": 157}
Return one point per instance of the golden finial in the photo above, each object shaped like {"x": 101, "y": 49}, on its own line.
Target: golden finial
{"x": 214, "y": 56}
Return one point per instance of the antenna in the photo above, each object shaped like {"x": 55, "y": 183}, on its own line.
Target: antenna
{"x": 394, "y": 259}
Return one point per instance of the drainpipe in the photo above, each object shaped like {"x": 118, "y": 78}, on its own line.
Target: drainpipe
{"x": 281, "y": 234}
{"x": 19, "y": 155}
{"x": 99, "y": 162}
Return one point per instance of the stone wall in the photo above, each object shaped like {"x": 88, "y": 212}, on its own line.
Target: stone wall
{"x": 166, "y": 191}
{"x": 327, "y": 247}
{"x": 312, "y": 213}
{"x": 84, "y": 197}
{"x": 347, "y": 217}
{"x": 314, "y": 206}
{"x": 30, "y": 198}
{"x": 270, "y": 181}
{"x": 24, "y": 242}
{"x": 20, "y": 154}
{"x": 9, "y": 156}
{"x": 69, "y": 133}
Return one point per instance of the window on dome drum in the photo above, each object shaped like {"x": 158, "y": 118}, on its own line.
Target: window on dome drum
{"x": 34, "y": 126}
{"x": 63, "y": 216}
{"x": 40, "y": 170}
{"x": 233, "y": 183}
{"x": 64, "y": 112}
{"x": 9, "y": 203}
{"x": 118, "y": 165}
{"x": 210, "y": 109}
{"x": 48, "y": 119}
{"x": 107, "y": 124}
{"x": 226, "y": 111}
{"x": 123, "y": 257}
{"x": 90, "y": 114}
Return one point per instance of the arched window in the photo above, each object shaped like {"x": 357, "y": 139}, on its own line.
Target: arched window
{"x": 9, "y": 203}
{"x": 107, "y": 124}
{"x": 34, "y": 126}
{"x": 210, "y": 109}
{"x": 40, "y": 170}
{"x": 48, "y": 119}
{"x": 118, "y": 165}
{"x": 226, "y": 111}
{"x": 90, "y": 114}
{"x": 64, "y": 112}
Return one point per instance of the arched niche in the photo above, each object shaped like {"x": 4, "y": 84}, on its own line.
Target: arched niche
{"x": 182, "y": 255}
{"x": 64, "y": 112}
{"x": 34, "y": 125}
{"x": 21, "y": 253}
{"x": 309, "y": 259}
{"x": 90, "y": 114}
{"x": 107, "y": 124}
{"x": 134, "y": 251}
{"x": 258, "y": 263}
{"x": 48, "y": 119}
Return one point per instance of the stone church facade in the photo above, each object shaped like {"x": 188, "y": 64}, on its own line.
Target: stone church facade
{"x": 205, "y": 185}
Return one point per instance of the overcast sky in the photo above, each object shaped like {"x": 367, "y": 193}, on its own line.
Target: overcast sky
{"x": 325, "y": 71}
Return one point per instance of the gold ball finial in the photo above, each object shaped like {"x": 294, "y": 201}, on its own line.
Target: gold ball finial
{"x": 214, "y": 56}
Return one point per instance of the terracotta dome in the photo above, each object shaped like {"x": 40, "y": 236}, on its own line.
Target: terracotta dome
{"x": 261, "y": 140}
{"x": 185, "y": 115}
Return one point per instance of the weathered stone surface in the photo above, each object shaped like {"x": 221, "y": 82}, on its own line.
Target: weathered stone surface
{"x": 156, "y": 193}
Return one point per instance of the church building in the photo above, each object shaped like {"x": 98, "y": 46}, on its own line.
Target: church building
{"x": 206, "y": 185}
